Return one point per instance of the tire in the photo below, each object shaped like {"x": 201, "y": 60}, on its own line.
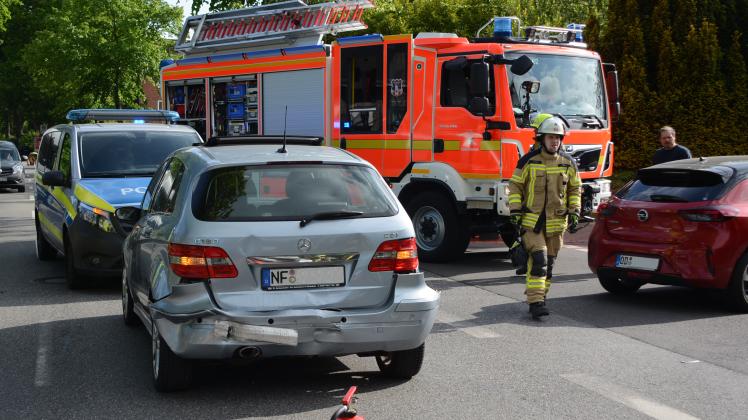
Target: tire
{"x": 508, "y": 234}
{"x": 44, "y": 251}
{"x": 616, "y": 285}
{"x": 170, "y": 372}
{"x": 439, "y": 232}
{"x": 737, "y": 291}
{"x": 402, "y": 364}
{"x": 73, "y": 278}
{"x": 22, "y": 188}
{"x": 128, "y": 314}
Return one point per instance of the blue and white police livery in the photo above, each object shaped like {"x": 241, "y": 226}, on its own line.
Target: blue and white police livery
{"x": 85, "y": 172}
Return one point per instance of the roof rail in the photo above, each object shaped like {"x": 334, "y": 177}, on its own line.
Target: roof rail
{"x": 262, "y": 139}
{"x": 134, "y": 115}
{"x": 289, "y": 22}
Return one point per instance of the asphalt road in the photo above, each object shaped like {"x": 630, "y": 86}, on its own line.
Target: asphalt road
{"x": 664, "y": 353}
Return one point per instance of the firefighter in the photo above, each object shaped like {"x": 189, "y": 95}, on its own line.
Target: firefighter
{"x": 544, "y": 198}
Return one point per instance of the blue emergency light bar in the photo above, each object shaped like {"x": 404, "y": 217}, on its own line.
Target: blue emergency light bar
{"x": 134, "y": 115}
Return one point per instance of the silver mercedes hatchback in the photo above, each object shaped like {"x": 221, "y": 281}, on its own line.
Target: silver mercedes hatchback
{"x": 261, "y": 250}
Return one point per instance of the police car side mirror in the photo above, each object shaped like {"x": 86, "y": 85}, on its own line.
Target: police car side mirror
{"x": 128, "y": 215}
{"x": 54, "y": 179}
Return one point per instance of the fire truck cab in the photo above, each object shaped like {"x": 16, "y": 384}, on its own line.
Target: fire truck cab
{"x": 443, "y": 118}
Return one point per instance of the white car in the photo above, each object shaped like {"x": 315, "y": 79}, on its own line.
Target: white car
{"x": 257, "y": 250}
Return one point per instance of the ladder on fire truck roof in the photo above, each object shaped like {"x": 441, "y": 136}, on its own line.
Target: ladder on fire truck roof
{"x": 290, "y": 22}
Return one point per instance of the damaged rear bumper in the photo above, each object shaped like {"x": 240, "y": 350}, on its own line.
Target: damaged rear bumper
{"x": 194, "y": 327}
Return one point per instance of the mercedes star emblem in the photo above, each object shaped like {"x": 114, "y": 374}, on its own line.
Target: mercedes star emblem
{"x": 304, "y": 245}
{"x": 642, "y": 215}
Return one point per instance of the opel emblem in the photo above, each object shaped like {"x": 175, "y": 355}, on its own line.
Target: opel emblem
{"x": 642, "y": 215}
{"x": 304, "y": 245}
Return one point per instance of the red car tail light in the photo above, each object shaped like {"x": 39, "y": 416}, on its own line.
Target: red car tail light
{"x": 605, "y": 209}
{"x": 710, "y": 214}
{"x": 400, "y": 256}
{"x": 201, "y": 262}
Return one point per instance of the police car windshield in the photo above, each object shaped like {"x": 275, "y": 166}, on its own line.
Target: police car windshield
{"x": 128, "y": 153}
{"x": 571, "y": 86}
{"x": 8, "y": 154}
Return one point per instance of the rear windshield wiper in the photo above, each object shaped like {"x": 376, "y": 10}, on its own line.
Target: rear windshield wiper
{"x": 667, "y": 198}
{"x": 329, "y": 216}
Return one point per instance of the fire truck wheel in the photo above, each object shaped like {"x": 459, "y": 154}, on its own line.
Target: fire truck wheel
{"x": 439, "y": 232}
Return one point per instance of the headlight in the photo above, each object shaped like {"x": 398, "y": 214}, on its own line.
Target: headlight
{"x": 17, "y": 169}
{"x": 96, "y": 216}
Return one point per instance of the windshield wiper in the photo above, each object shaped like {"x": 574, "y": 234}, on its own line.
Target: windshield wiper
{"x": 329, "y": 216}
{"x": 667, "y": 198}
{"x": 590, "y": 116}
{"x": 117, "y": 174}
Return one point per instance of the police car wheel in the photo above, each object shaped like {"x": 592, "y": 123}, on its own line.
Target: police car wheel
{"x": 73, "y": 278}
{"x": 128, "y": 313}
{"x": 440, "y": 235}
{"x": 44, "y": 251}
{"x": 402, "y": 364}
{"x": 170, "y": 372}
{"x": 22, "y": 188}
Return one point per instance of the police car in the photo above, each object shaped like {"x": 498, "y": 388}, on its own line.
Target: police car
{"x": 85, "y": 171}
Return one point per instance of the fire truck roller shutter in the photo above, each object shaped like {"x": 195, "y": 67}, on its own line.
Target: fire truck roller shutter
{"x": 303, "y": 92}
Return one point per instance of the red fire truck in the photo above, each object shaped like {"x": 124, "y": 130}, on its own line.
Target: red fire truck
{"x": 444, "y": 118}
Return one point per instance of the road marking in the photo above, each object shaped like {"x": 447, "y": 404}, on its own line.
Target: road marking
{"x": 42, "y": 372}
{"x": 628, "y": 397}
{"x": 465, "y": 326}
{"x": 576, "y": 247}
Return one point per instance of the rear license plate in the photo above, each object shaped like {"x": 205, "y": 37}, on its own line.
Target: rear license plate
{"x": 637, "y": 263}
{"x": 302, "y": 277}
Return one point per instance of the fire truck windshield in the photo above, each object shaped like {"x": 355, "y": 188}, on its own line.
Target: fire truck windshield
{"x": 571, "y": 86}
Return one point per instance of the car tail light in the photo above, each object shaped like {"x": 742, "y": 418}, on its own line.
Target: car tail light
{"x": 710, "y": 214}
{"x": 605, "y": 209}
{"x": 400, "y": 256}
{"x": 200, "y": 262}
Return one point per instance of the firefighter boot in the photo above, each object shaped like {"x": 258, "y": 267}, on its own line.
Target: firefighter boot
{"x": 549, "y": 275}
{"x": 538, "y": 309}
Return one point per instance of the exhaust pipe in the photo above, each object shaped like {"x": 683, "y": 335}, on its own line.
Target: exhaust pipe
{"x": 249, "y": 352}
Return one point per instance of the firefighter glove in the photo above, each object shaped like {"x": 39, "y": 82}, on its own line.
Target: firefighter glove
{"x": 515, "y": 218}
{"x": 573, "y": 222}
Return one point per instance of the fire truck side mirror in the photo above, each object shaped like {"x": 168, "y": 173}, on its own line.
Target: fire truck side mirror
{"x": 479, "y": 106}
{"x": 611, "y": 85}
{"x": 479, "y": 79}
{"x": 521, "y": 65}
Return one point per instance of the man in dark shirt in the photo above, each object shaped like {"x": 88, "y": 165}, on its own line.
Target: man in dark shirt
{"x": 670, "y": 149}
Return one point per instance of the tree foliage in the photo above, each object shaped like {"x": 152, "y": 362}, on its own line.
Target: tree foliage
{"x": 681, "y": 63}
{"x": 107, "y": 51}
{"x": 61, "y": 54}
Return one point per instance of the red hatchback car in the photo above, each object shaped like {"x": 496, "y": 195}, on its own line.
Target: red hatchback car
{"x": 679, "y": 223}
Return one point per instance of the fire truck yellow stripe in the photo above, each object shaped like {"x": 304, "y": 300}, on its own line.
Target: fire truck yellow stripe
{"x": 240, "y": 67}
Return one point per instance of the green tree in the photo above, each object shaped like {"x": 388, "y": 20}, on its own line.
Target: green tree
{"x": 97, "y": 54}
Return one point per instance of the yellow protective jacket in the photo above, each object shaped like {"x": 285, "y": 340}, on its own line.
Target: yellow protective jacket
{"x": 545, "y": 182}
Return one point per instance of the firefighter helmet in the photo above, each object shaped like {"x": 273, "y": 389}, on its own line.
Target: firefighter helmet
{"x": 539, "y": 120}
{"x": 551, "y": 125}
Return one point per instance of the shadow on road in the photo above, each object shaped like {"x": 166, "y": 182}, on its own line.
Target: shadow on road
{"x": 96, "y": 368}
{"x": 650, "y": 306}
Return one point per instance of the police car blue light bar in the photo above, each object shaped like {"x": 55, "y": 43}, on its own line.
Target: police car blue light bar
{"x": 135, "y": 115}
